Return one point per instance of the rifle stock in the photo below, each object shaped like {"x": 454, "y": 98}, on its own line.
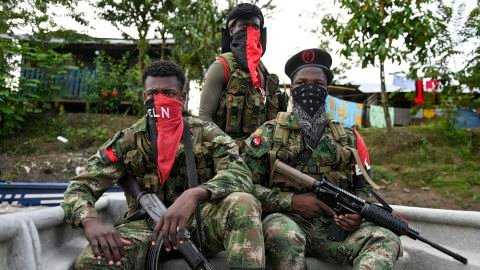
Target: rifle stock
{"x": 341, "y": 201}
{"x": 155, "y": 209}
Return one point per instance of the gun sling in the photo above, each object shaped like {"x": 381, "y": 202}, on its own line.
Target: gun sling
{"x": 192, "y": 175}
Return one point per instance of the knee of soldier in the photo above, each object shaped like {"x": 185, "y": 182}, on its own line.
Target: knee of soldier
{"x": 83, "y": 262}
{"x": 241, "y": 204}
{"x": 388, "y": 240}
{"x": 280, "y": 231}
{"x": 394, "y": 242}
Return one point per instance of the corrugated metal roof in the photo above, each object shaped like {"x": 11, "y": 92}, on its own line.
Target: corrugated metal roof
{"x": 94, "y": 40}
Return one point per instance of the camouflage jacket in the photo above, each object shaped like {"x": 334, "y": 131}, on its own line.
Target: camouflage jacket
{"x": 330, "y": 158}
{"x": 220, "y": 169}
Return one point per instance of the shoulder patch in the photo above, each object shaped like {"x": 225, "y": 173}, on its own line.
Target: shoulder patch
{"x": 256, "y": 141}
{"x": 108, "y": 156}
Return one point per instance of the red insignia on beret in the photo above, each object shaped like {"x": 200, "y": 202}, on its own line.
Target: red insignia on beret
{"x": 308, "y": 56}
{"x": 256, "y": 141}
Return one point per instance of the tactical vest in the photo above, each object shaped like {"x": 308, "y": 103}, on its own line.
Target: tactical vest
{"x": 337, "y": 168}
{"x": 139, "y": 162}
{"x": 241, "y": 108}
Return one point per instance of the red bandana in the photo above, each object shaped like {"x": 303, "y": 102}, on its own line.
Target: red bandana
{"x": 254, "y": 53}
{"x": 168, "y": 112}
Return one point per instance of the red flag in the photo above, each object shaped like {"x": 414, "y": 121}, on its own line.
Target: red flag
{"x": 362, "y": 153}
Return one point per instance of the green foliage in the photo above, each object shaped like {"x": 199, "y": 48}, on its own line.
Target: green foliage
{"x": 29, "y": 95}
{"x": 380, "y": 30}
{"x": 138, "y": 14}
{"x": 193, "y": 25}
{"x": 376, "y": 31}
{"x": 470, "y": 75}
{"x": 51, "y": 67}
{"x": 86, "y": 136}
{"x": 197, "y": 25}
{"x": 113, "y": 83}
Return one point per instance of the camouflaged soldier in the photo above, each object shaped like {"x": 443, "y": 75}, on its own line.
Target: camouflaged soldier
{"x": 231, "y": 216}
{"x": 296, "y": 224}
{"x": 239, "y": 94}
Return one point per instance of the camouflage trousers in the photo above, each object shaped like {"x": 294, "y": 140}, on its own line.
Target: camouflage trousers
{"x": 232, "y": 224}
{"x": 289, "y": 238}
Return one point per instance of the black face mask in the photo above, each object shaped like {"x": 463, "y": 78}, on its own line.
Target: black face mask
{"x": 246, "y": 48}
{"x": 310, "y": 98}
{"x": 238, "y": 46}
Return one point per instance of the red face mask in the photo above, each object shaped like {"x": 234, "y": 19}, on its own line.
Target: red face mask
{"x": 247, "y": 48}
{"x": 165, "y": 124}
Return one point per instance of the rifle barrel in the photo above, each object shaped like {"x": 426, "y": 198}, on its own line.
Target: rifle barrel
{"x": 456, "y": 256}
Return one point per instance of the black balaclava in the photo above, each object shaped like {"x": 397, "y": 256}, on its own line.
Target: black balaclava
{"x": 244, "y": 10}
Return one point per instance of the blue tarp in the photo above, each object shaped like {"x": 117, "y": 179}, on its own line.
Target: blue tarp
{"x": 467, "y": 118}
{"x": 349, "y": 113}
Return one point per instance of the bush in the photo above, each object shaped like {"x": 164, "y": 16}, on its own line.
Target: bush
{"x": 113, "y": 83}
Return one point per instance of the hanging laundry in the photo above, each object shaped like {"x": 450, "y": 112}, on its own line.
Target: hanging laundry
{"x": 419, "y": 99}
{"x": 428, "y": 113}
{"x": 403, "y": 82}
{"x": 431, "y": 85}
{"x": 349, "y": 113}
{"x": 418, "y": 114}
{"x": 377, "y": 116}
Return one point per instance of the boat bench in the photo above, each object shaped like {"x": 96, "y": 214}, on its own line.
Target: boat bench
{"x": 41, "y": 240}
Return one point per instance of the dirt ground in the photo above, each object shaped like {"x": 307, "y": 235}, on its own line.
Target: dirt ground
{"x": 51, "y": 167}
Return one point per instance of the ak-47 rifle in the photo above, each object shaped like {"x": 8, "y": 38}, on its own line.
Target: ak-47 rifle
{"x": 343, "y": 202}
{"x": 155, "y": 209}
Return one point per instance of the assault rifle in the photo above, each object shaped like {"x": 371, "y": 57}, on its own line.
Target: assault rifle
{"x": 343, "y": 202}
{"x": 155, "y": 209}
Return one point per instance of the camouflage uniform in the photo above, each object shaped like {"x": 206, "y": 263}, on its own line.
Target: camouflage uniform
{"x": 290, "y": 237}
{"x": 220, "y": 171}
{"x": 241, "y": 108}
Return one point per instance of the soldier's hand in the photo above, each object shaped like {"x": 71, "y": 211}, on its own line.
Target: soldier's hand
{"x": 172, "y": 224}
{"x": 105, "y": 240}
{"x": 308, "y": 206}
{"x": 348, "y": 222}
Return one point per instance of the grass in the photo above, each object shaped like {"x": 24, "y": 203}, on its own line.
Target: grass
{"x": 433, "y": 156}
{"x": 82, "y": 131}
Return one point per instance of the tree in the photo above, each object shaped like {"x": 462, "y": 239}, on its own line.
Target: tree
{"x": 197, "y": 40}
{"x": 470, "y": 75}
{"x": 142, "y": 15}
{"x": 33, "y": 17}
{"x": 193, "y": 25}
{"x": 381, "y": 30}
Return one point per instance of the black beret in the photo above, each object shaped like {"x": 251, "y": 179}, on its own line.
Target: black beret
{"x": 245, "y": 11}
{"x": 310, "y": 58}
